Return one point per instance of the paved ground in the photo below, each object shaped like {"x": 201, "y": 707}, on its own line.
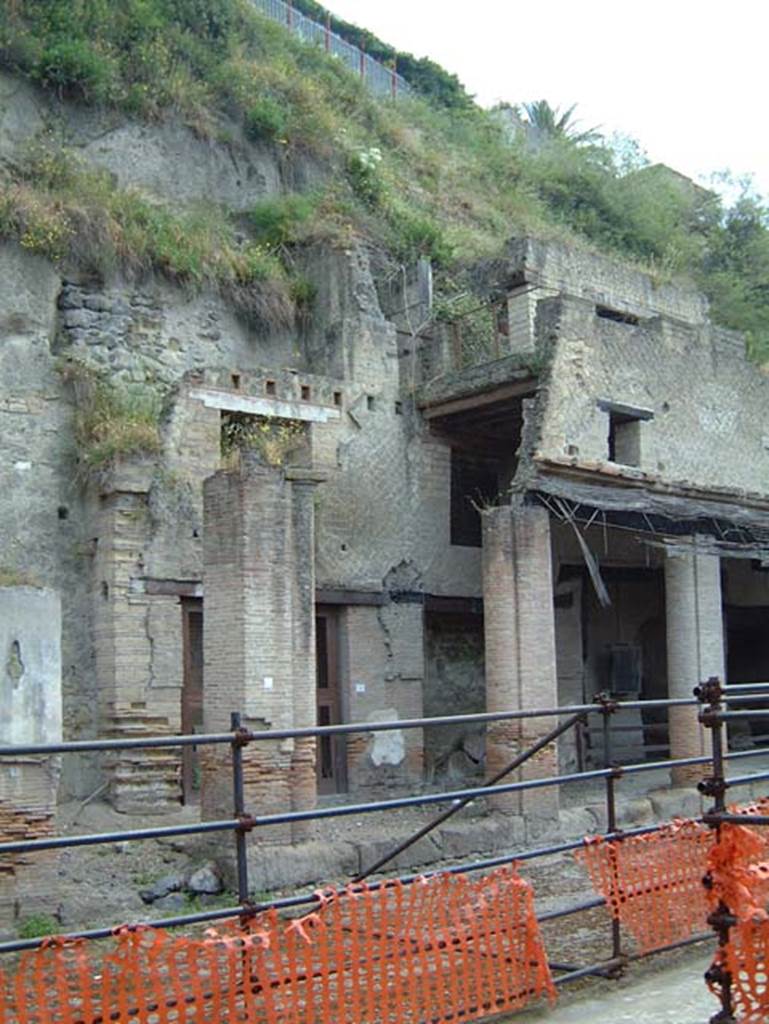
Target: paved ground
{"x": 674, "y": 995}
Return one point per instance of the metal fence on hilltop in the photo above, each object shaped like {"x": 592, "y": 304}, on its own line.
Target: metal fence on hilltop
{"x": 382, "y": 80}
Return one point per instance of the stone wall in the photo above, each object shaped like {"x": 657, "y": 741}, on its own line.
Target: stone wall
{"x": 454, "y": 685}
{"x": 30, "y": 696}
{"x": 705, "y": 401}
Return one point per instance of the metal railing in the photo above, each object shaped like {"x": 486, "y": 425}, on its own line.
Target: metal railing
{"x": 382, "y": 81}
{"x": 244, "y": 821}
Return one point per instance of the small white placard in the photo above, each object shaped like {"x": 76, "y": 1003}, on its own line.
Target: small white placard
{"x": 360, "y": 687}
{"x": 268, "y": 682}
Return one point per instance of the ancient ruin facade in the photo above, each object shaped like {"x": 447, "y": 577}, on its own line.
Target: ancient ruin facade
{"x": 369, "y": 516}
{"x": 585, "y": 512}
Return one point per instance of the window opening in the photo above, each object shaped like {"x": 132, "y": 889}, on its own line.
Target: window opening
{"x": 617, "y": 315}
{"x": 624, "y": 439}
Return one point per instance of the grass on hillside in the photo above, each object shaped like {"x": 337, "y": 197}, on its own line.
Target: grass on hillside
{"x": 411, "y": 177}
{"x": 56, "y": 206}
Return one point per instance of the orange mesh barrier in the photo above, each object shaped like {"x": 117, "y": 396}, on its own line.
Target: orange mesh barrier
{"x": 652, "y": 884}
{"x": 741, "y": 881}
{"x": 445, "y": 949}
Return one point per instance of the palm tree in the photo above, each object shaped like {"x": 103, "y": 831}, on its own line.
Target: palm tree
{"x": 546, "y": 124}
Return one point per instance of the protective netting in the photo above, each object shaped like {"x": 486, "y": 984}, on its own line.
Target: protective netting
{"x": 739, "y": 872}
{"x": 444, "y": 949}
{"x": 652, "y": 883}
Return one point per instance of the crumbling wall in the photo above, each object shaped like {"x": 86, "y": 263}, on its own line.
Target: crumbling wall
{"x": 454, "y": 685}
{"x": 704, "y": 400}
{"x": 30, "y": 696}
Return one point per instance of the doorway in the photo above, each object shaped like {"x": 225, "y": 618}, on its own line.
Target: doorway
{"x": 192, "y": 693}
{"x": 331, "y": 760}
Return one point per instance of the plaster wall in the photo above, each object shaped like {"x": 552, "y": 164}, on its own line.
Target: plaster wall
{"x": 708, "y": 404}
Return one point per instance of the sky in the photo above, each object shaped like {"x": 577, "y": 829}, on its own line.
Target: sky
{"x": 686, "y": 78}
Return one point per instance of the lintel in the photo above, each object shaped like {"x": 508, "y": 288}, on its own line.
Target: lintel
{"x": 633, "y": 412}
{"x": 228, "y": 401}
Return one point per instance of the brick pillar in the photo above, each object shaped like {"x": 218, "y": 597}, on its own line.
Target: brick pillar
{"x": 259, "y": 636}
{"x": 30, "y": 698}
{"x": 519, "y": 626}
{"x": 695, "y": 644}
{"x": 140, "y": 781}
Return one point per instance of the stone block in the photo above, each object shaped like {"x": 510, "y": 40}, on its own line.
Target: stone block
{"x": 481, "y": 837}
{"x": 275, "y": 867}
{"x": 675, "y": 803}
{"x": 635, "y": 813}
{"x": 576, "y": 822}
{"x": 423, "y": 851}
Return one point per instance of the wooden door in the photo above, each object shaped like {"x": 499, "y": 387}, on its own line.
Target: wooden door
{"x": 331, "y": 754}
{"x": 192, "y": 693}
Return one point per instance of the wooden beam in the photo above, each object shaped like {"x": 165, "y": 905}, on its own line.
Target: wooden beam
{"x": 479, "y": 401}
{"x": 454, "y": 605}
{"x": 366, "y": 597}
{"x": 173, "y": 588}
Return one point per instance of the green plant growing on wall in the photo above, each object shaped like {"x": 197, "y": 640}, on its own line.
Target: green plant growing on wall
{"x": 274, "y": 440}
{"x": 364, "y": 172}
{"x": 112, "y": 418}
{"x": 11, "y": 577}
{"x": 265, "y": 120}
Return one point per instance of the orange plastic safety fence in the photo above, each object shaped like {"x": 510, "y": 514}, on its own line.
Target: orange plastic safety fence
{"x": 740, "y": 874}
{"x": 445, "y": 949}
{"x": 652, "y": 884}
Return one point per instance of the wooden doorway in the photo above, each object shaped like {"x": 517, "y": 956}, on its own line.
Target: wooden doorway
{"x": 331, "y": 761}
{"x": 192, "y": 693}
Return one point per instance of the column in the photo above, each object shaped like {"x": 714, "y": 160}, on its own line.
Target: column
{"x": 259, "y": 637}
{"x": 519, "y": 626}
{"x": 695, "y": 645}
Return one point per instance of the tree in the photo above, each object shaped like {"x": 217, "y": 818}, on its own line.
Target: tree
{"x": 548, "y": 124}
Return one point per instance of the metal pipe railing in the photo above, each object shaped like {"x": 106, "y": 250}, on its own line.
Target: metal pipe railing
{"x": 242, "y": 822}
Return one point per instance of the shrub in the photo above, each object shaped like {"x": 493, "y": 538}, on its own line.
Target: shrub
{"x": 73, "y": 67}
{"x": 414, "y": 234}
{"x": 365, "y": 176}
{"x": 279, "y": 221}
{"x": 112, "y": 418}
{"x": 265, "y": 120}
{"x": 273, "y": 439}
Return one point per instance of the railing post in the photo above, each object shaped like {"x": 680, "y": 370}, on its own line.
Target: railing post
{"x": 608, "y": 709}
{"x": 290, "y": 15}
{"x": 327, "y": 34}
{"x": 721, "y": 920}
{"x": 239, "y": 740}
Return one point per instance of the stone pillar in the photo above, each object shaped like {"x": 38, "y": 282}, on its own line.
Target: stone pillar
{"x": 140, "y": 781}
{"x": 519, "y": 625}
{"x": 259, "y": 636}
{"x": 30, "y": 698}
{"x": 695, "y": 645}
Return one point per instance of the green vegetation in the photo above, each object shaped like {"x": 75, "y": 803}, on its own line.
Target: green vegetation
{"x": 10, "y": 577}
{"x": 56, "y": 206}
{"x": 432, "y": 176}
{"x": 37, "y": 925}
{"x": 112, "y": 418}
{"x": 274, "y": 440}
